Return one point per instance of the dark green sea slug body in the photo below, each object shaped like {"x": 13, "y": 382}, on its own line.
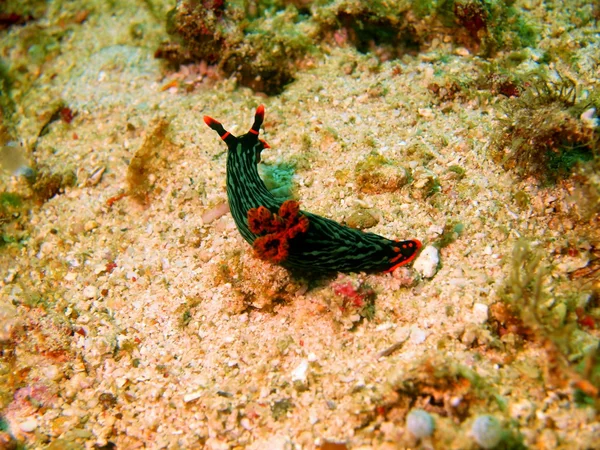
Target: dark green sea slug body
{"x": 281, "y": 233}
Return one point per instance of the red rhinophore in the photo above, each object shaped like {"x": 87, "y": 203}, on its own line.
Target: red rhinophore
{"x": 210, "y": 121}
{"x": 276, "y": 230}
{"x": 260, "y": 111}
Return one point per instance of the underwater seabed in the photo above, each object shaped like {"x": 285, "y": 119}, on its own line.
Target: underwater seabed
{"x": 134, "y": 315}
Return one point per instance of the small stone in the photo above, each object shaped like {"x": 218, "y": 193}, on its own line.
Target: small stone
{"x": 487, "y": 431}
{"x": 427, "y": 262}
{"x": 246, "y": 424}
{"x": 480, "y": 313}
{"x": 76, "y": 228}
{"x": 426, "y": 113}
{"x": 28, "y": 425}
{"x": 90, "y": 225}
{"x": 90, "y": 291}
{"x": 215, "y": 213}
{"x": 52, "y": 373}
{"x": 362, "y": 219}
{"x": 45, "y": 249}
{"x": 300, "y": 375}
{"x": 71, "y": 276}
{"x": 419, "y": 423}
{"x": 462, "y": 51}
{"x": 107, "y": 400}
{"x": 417, "y": 335}
{"x": 187, "y": 398}
{"x": 588, "y": 118}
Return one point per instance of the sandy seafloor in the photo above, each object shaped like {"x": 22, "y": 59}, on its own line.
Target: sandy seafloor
{"x": 143, "y": 326}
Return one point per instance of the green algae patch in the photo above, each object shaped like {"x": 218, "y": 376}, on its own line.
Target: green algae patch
{"x": 278, "y": 179}
{"x": 376, "y": 174}
{"x": 258, "y": 47}
{"x": 544, "y": 131}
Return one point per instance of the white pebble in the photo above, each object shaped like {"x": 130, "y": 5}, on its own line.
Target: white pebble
{"x": 427, "y": 262}
{"x": 246, "y": 424}
{"x": 436, "y": 229}
{"x": 90, "y": 291}
{"x": 300, "y": 373}
{"x": 52, "y": 373}
{"x": 28, "y": 425}
{"x": 192, "y": 396}
{"x": 417, "y": 335}
{"x": 480, "y": 313}
{"x": 588, "y": 119}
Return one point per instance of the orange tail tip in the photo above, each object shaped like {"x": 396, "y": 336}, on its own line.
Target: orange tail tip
{"x": 402, "y": 259}
{"x": 260, "y": 111}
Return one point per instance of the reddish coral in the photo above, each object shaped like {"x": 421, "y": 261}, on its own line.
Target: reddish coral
{"x": 354, "y": 296}
{"x": 509, "y": 88}
{"x": 66, "y": 114}
{"x": 276, "y": 230}
{"x": 110, "y": 266}
{"x": 473, "y": 17}
{"x": 584, "y": 320}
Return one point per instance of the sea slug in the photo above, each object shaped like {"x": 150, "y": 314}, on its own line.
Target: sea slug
{"x": 283, "y": 234}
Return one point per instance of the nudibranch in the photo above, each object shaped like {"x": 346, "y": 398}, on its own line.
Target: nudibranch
{"x": 283, "y": 234}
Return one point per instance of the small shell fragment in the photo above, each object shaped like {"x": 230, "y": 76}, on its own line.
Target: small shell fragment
{"x": 214, "y": 213}
{"x": 427, "y": 262}
{"x": 95, "y": 176}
